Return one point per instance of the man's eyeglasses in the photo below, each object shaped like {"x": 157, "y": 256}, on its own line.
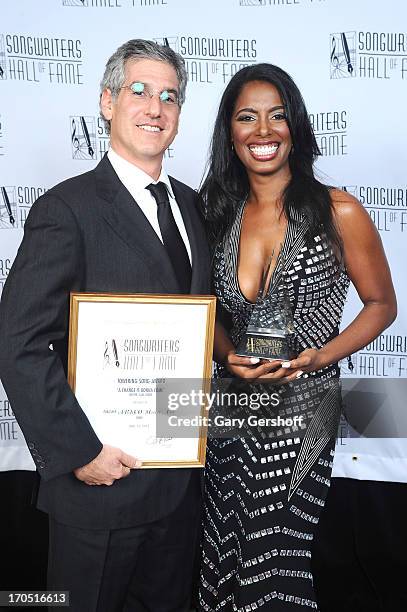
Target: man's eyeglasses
{"x": 142, "y": 92}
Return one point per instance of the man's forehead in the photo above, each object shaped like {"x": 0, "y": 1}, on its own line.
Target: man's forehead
{"x": 152, "y": 72}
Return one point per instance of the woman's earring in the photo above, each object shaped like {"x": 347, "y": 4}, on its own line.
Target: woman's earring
{"x": 232, "y": 147}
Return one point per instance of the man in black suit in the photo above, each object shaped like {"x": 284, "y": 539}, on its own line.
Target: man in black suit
{"x": 120, "y": 538}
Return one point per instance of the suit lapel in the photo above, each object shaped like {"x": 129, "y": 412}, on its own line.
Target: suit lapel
{"x": 128, "y": 221}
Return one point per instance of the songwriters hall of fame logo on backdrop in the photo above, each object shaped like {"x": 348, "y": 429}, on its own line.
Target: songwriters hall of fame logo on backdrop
{"x": 39, "y": 59}
{"x": 212, "y": 59}
{"x": 168, "y": 41}
{"x": 384, "y": 357}
{"x": 387, "y": 206}
{"x": 15, "y": 204}
{"x": 114, "y": 3}
{"x": 90, "y": 139}
{"x": 368, "y": 55}
{"x": 331, "y": 131}
{"x": 343, "y": 55}
{"x": 276, "y": 2}
{"x": 3, "y": 67}
{"x": 83, "y": 137}
{"x": 252, "y": 2}
{"x": 9, "y": 429}
{"x": 5, "y": 267}
{"x": 8, "y": 207}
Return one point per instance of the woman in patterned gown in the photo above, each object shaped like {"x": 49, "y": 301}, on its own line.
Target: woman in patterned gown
{"x": 265, "y": 489}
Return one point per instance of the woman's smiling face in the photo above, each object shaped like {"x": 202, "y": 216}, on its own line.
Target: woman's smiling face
{"x": 259, "y": 130}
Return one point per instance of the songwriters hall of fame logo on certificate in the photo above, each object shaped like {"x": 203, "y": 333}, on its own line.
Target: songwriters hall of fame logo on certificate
{"x": 111, "y": 354}
{"x": 8, "y": 207}
{"x": 83, "y": 137}
{"x": 343, "y": 55}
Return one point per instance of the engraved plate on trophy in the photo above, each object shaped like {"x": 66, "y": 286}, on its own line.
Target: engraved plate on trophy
{"x": 270, "y": 332}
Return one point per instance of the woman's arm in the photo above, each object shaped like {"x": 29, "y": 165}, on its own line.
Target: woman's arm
{"x": 368, "y": 270}
{"x": 222, "y": 343}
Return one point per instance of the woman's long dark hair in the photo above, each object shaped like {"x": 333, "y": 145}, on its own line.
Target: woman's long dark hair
{"x": 226, "y": 183}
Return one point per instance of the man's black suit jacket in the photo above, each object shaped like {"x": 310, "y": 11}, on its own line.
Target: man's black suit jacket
{"x": 86, "y": 234}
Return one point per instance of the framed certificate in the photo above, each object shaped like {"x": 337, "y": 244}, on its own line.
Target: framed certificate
{"x": 130, "y": 357}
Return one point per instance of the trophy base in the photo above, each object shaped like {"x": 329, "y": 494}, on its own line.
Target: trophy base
{"x": 265, "y": 346}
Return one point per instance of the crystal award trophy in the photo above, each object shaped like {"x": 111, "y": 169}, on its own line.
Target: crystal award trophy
{"x": 270, "y": 333}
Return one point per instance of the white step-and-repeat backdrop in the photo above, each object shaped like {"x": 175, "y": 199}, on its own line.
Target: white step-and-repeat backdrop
{"x": 348, "y": 58}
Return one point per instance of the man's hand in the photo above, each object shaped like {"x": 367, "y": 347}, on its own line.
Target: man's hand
{"x": 111, "y": 464}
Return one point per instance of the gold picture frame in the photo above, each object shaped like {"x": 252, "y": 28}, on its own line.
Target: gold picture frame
{"x": 103, "y": 319}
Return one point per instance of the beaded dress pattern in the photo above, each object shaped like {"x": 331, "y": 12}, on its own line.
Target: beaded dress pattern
{"x": 265, "y": 489}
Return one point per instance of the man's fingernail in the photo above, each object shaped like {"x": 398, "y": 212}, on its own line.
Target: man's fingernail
{"x": 286, "y": 364}
{"x": 254, "y": 359}
{"x": 299, "y": 373}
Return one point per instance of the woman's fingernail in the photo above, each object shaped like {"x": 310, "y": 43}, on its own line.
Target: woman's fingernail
{"x": 299, "y": 373}
{"x": 138, "y": 464}
{"x": 286, "y": 364}
{"x": 254, "y": 359}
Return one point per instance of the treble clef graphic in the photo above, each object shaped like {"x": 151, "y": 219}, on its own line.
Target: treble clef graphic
{"x": 75, "y": 139}
{"x": 7, "y": 205}
{"x": 106, "y": 355}
{"x": 346, "y": 52}
{"x": 87, "y": 137}
{"x": 334, "y": 57}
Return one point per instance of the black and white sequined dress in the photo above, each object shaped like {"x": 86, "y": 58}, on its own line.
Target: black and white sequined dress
{"x": 265, "y": 492}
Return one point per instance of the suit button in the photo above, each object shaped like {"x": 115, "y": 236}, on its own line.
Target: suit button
{"x": 41, "y": 464}
{"x": 31, "y": 445}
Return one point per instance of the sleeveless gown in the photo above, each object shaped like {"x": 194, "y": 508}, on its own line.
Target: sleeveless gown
{"x": 264, "y": 492}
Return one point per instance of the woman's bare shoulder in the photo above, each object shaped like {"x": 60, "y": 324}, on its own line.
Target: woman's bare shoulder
{"x": 346, "y": 206}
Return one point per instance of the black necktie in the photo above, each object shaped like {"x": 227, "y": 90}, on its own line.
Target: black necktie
{"x": 172, "y": 240}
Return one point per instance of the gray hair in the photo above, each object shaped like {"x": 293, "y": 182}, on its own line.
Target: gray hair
{"x": 138, "y": 49}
